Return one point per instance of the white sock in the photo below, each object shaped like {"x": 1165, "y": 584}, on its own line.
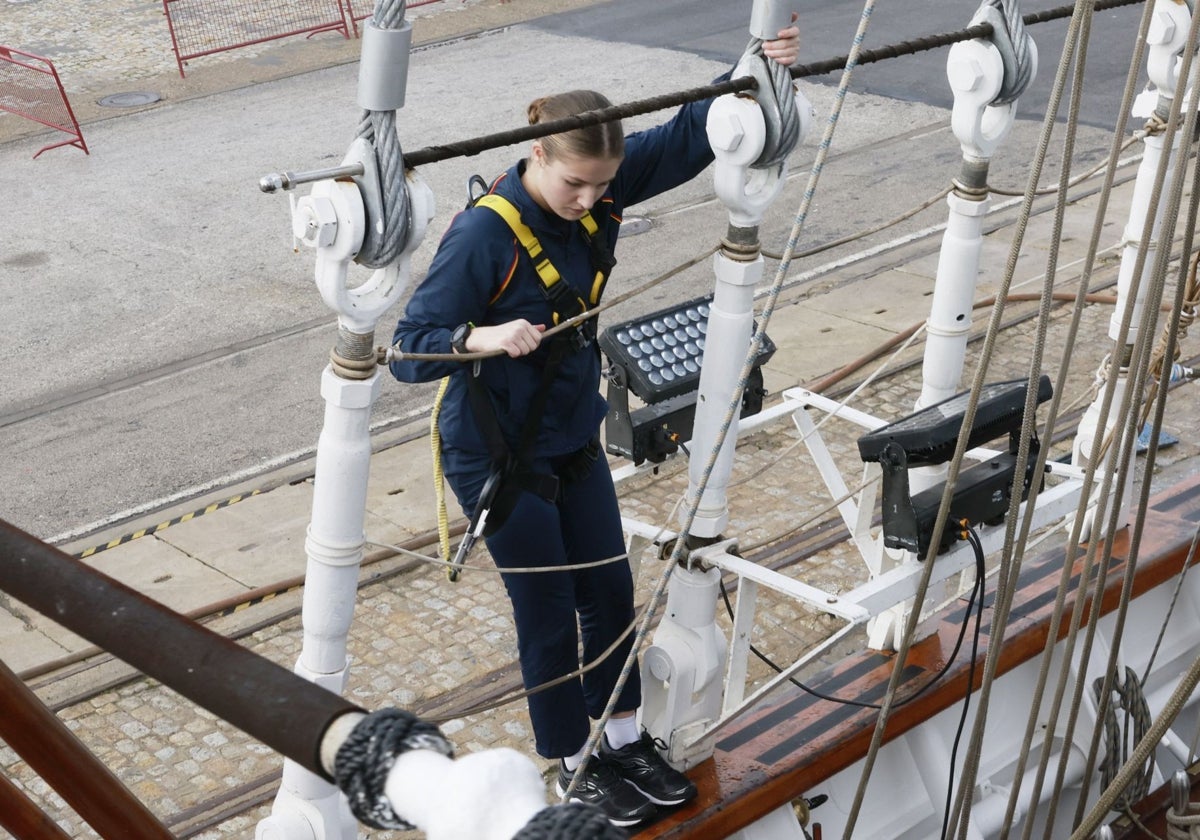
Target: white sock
{"x": 621, "y": 731}
{"x": 572, "y": 762}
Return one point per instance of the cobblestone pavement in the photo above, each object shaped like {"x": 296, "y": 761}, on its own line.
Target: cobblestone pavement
{"x": 416, "y": 637}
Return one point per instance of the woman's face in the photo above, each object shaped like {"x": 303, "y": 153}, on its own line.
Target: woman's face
{"x": 568, "y": 185}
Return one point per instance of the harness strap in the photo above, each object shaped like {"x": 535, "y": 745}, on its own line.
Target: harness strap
{"x": 515, "y": 469}
{"x": 564, "y": 302}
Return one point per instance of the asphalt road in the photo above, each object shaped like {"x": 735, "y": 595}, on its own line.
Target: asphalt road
{"x": 165, "y": 344}
{"x": 718, "y": 31}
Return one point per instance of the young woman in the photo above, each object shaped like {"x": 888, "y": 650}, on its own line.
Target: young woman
{"x": 529, "y": 419}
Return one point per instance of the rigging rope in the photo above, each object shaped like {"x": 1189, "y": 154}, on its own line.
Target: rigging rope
{"x": 1009, "y": 570}
{"x": 1139, "y": 361}
{"x": 384, "y": 239}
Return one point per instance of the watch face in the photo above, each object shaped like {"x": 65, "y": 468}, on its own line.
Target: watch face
{"x": 458, "y": 339}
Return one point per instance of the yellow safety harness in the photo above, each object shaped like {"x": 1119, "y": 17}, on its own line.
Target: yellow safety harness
{"x": 512, "y": 472}
{"x": 564, "y": 302}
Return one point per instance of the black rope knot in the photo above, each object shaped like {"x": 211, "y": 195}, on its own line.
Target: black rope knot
{"x": 363, "y": 762}
{"x": 573, "y": 821}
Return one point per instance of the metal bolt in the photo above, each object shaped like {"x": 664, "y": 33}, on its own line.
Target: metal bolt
{"x": 964, "y": 73}
{"x": 726, "y": 135}
{"x": 1161, "y": 30}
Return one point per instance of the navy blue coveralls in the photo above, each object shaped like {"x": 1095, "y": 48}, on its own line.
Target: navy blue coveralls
{"x": 482, "y": 275}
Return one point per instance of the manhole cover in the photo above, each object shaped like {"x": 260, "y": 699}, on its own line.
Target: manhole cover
{"x": 129, "y": 100}
{"x": 633, "y": 225}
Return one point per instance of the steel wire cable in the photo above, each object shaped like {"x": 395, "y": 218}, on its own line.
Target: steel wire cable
{"x": 384, "y": 239}
{"x": 1015, "y": 46}
{"x": 773, "y": 91}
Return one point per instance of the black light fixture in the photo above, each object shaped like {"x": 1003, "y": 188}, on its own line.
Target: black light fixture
{"x": 930, "y": 436}
{"x": 658, "y": 357}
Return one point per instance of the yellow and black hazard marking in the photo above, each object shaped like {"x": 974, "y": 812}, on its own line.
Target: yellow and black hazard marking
{"x": 261, "y": 599}
{"x": 162, "y": 526}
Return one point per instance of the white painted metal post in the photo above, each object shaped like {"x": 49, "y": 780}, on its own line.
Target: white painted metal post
{"x": 682, "y": 690}
{"x": 975, "y": 71}
{"x": 333, "y": 219}
{"x": 1166, "y": 39}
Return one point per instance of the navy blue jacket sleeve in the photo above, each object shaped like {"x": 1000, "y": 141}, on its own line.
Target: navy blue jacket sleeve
{"x": 668, "y": 155}
{"x": 475, "y": 255}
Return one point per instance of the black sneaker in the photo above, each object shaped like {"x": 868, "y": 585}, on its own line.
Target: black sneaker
{"x": 603, "y": 787}
{"x": 643, "y": 766}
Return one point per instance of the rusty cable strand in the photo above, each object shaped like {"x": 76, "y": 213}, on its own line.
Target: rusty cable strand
{"x": 475, "y": 145}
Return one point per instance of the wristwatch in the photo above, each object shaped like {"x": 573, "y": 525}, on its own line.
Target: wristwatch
{"x": 458, "y": 338}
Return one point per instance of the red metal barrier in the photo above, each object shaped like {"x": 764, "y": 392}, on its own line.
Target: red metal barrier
{"x": 30, "y": 87}
{"x": 366, "y": 8}
{"x": 202, "y": 27}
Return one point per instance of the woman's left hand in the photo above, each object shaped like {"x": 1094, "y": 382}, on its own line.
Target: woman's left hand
{"x": 786, "y": 48}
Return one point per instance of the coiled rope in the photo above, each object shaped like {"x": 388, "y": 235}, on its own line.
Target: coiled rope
{"x": 1132, "y": 701}
{"x": 385, "y": 238}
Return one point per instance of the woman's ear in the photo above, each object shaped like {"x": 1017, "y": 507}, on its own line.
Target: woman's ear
{"x": 537, "y": 154}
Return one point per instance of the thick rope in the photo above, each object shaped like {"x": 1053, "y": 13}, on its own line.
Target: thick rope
{"x": 1010, "y": 569}
{"x": 1017, "y": 551}
{"x": 1183, "y": 826}
{"x": 366, "y": 757}
{"x": 384, "y": 239}
{"x": 1139, "y": 362}
{"x": 573, "y": 821}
